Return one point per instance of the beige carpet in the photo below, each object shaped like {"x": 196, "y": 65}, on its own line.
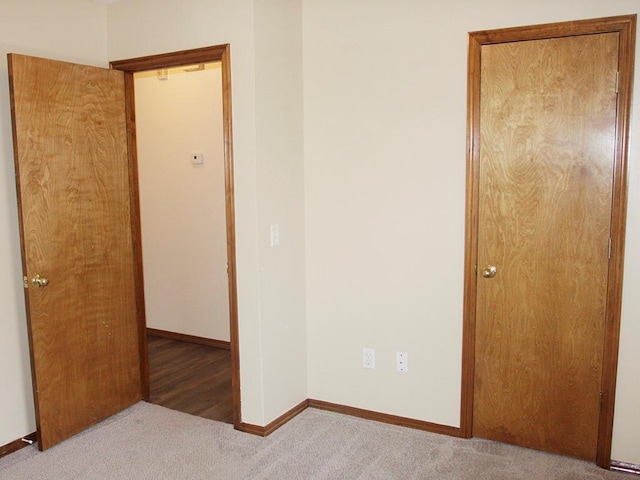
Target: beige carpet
{"x": 152, "y": 442}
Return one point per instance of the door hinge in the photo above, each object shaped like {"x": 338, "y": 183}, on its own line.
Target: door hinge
{"x": 601, "y": 400}
{"x": 609, "y": 249}
{"x": 617, "y": 82}
{"x": 25, "y": 282}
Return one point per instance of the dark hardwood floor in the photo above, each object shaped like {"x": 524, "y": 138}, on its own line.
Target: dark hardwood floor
{"x": 191, "y": 378}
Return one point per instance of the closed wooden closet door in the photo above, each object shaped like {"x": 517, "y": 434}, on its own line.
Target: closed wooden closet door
{"x": 547, "y": 149}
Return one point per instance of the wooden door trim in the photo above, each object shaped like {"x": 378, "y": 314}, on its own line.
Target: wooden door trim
{"x": 625, "y": 26}
{"x": 218, "y": 53}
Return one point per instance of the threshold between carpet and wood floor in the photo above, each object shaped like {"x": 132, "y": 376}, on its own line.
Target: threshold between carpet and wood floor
{"x": 190, "y": 377}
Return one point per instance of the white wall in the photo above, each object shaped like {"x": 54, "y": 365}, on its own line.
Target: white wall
{"x": 71, "y": 30}
{"x": 278, "y": 50}
{"x": 626, "y": 425}
{"x": 384, "y": 127}
{"x": 267, "y": 123}
{"x": 385, "y": 180}
{"x": 182, "y": 205}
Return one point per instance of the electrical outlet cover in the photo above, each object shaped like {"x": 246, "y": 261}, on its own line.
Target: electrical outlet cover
{"x": 369, "y": 358}
{"x": 402, "y": 362}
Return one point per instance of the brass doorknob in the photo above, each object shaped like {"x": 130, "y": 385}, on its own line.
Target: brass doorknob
{"x": 489, "y": 271}
{"x": 39, "y": 281}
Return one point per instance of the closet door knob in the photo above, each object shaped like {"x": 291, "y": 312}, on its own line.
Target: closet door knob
{"x": 489, "y": 271}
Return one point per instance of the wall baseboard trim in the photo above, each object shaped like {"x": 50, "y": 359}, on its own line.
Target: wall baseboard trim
{"x": 277, "y": 423}
{"x": 625, "y": 467}
{"x": 387, "y": 418}
{"x": 17, "y": 444}
{"x": 210, "y": 342}
{"x": 353, "y": 412}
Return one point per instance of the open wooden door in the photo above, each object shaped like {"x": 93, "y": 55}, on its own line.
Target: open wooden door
{"x": 70, "y": 148}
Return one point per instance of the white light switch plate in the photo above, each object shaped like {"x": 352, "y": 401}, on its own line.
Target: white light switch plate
{"x": 275, "y": 234}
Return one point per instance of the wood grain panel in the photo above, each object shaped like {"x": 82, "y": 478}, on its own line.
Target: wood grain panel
{"x": 134, "y": 200}
{"x": 547, "y": 135}
{"x": 73, "y": 190}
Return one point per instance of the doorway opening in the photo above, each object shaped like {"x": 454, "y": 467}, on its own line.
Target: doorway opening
{"x": 184, "y": 221}
{"x": 182, "y": 213}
